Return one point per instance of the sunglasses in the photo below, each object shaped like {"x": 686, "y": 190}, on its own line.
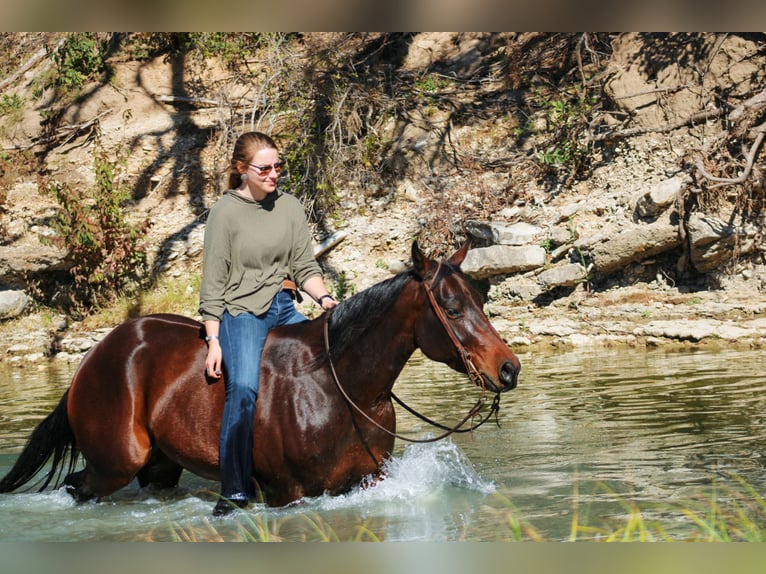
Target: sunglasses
{"x": 266, "y": 169}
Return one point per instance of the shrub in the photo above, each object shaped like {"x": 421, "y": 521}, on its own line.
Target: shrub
{"x": 80, "y": 57}
{"x": 106, "y": 252}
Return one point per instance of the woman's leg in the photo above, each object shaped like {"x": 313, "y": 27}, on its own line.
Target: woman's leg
{"x": 286, "y": 313}
{"x": 242, "y": 338}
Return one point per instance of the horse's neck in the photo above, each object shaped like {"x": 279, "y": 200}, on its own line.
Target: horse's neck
{"x": 377, "y": 358}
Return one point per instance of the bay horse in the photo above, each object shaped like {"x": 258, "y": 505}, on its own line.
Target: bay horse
{"x": 140, "y": 405}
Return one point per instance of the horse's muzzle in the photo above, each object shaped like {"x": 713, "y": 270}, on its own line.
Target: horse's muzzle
{"x": 509, "y": 375}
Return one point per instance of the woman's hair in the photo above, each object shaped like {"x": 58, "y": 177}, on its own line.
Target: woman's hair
{"x": 244, "y": 149}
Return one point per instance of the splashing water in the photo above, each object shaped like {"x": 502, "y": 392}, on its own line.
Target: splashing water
{"x": 412, "y": 502}
{"x": 422, "y": 471}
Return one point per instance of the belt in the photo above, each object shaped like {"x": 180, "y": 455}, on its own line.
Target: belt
{"x": 292, "y": 288}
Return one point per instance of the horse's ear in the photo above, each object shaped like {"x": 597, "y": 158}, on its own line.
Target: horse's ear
{"x": 420, "y": 263}
{"x": 459, "y": 255}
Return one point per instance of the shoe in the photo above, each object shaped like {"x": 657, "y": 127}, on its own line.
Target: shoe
{"x": 226, "y": 506}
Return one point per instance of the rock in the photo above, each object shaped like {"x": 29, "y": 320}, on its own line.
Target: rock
{"x": 580, "y": 340}
{"x": 661, "y": 197}
{"x": 554, "y": 327}
{"x": 397, "y": 266}
{"x": 501, "y": 233}
{"x": 18, "y": 262}
{"x": 19, "y": 349}
{"x": 77, "y": 344}
{"x": 566, "y": 275}
{"x": 633, "y": 244}
{"x": 410, "y": 192}
{"x": 712, "y": 242}
{"x": 568, "y": 211}
{"x": 524, "y": 288}
{"x": 328, "y": 243}
{"x": 519, "y": 341}
{"x": 12, "y": 303}
{"x": 696, "y": 330}
{"x": 486, "y": 262}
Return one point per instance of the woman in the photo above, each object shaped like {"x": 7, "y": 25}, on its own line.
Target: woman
{"x": 256, "y": 237}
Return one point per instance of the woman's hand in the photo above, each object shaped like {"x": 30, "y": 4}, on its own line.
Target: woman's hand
{"x": 214, "y": 359}
{"x": 327, "y": 302}
{"x": 315, "y": 287}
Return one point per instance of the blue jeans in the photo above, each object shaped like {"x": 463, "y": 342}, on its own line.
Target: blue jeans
{"x": 242, "y": 339}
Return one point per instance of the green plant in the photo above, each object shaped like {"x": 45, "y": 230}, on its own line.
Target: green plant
{"x": 572, "y": 229}
{"x": 567, "y": 120}
{"x": 106, "y": 251}
{"x": 79, "y": 58}
{"x": 11, "y": 104}
{"x": 11, "y": 111}
{"x": 343, "y": 288}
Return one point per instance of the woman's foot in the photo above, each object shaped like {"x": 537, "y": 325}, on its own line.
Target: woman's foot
{"x": 226, "y": 506}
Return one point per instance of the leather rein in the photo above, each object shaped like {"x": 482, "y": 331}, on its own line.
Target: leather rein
{"x": 473, "y": 374}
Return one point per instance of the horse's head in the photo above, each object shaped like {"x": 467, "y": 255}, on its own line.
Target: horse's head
{"x": 455, "y": 330}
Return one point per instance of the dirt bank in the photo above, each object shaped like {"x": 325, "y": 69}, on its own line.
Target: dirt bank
{"x": 565, "y": 133}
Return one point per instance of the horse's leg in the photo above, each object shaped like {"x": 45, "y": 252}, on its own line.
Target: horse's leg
{"x": 80, "y": 485}
{"x": 73, "y": 484}
{"x": 111, "y": 463}
{"x": 160, "y": 471}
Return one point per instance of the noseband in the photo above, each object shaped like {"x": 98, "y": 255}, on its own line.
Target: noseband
{"x": 473, "y": 373}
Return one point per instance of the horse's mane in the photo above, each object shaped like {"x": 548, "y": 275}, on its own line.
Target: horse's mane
{"x": 352, "y": 317}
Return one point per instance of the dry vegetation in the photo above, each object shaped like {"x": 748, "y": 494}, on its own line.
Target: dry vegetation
{"x": 482, "y": 122}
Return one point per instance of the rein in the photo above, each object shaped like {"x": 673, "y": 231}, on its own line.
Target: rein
{"x": 471, "y": 369}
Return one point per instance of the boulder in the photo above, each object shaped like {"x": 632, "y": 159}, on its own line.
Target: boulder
{"x": 501, "y": 233}
{"x": 712, "y": 242}
{"x": 662, "y": 196}
{"x": 17, "y": 263}
{"x": 634, "y": 243}
{"x": 12, "y": 303}
{"x": 567, "y": 275}
{"x": 494, "y": 260}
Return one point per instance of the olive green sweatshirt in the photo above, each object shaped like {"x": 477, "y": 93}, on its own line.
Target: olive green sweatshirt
{"x": 250, "y": 247}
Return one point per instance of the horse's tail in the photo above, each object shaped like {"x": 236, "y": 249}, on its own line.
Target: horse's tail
{"x": 51, "y": 438}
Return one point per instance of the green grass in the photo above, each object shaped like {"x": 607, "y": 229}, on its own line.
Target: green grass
{"x": 178, "y": 295}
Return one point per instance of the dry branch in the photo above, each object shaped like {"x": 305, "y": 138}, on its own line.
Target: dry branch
{"x": 752, "y": 154}
{"x": 205, "y": 102}
{"x": 36, "y": 57}
{"x": 753, "y": 104}
{"x": 630, "y": 132}
{"x": 62, "y": 135}
{"x": 742, "y": 114}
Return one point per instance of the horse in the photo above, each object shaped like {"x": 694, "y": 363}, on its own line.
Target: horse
{"x": 140, "y": 405}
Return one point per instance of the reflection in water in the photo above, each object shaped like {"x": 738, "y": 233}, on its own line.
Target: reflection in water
{"x": 581, "y": 428}
{"x": 27, "y": 395}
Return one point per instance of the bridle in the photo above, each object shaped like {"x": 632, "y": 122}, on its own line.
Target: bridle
{"x": 473, "y": 373}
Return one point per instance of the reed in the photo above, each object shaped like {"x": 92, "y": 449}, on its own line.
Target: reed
{"x": 733, "y": 511}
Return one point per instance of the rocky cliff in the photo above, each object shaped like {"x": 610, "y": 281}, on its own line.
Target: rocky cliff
{"x": 611, "y": 184}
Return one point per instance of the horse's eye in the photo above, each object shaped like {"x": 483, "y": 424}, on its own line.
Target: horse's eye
{"x": 452, "y": 313}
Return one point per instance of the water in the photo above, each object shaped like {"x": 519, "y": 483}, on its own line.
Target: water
{"x": 586, "y": 434}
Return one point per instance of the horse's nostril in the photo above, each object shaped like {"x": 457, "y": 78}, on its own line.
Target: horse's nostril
{"x": 509, "y": 374}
